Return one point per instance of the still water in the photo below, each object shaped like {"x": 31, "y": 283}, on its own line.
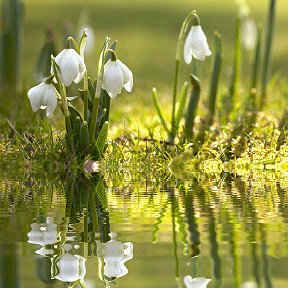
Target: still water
{"x": 100, "y": 232}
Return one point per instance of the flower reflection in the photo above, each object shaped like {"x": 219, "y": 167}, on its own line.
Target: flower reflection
{"x": 43, "y": 233}
{"x": 69, "y": 267}
{"x": 199, "y": 282}
{"x": 115, "y": 254}
{"x": 249, "y": 284}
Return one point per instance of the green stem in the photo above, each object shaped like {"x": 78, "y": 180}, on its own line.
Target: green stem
{"x": 85, "y": 92}
{"x": 99, "y": 82}
{"x": 251, "y": 104}
{"x": 66, "y": 114}
{"x": 177, "y": 62}
{"x": 256, "y": 63}
{"x": 215, "y": 77}
{"x": 185, "y": 24}
{"x": 236, "y": 68}
{"x": 267, "y": 50}
{"x": 192, "y": 106}
{"x": 93, "y": 122}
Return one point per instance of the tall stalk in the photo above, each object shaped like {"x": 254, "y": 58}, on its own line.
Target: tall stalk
{"x": 215, "y": 77}
{"x": 192, "y": 106}
{"x": 267, "y": 51}
{"x": 236, "y": 66}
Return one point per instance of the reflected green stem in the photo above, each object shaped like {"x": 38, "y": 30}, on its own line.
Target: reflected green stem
{"x": 236, "y": 258}
{"x": 173, "y": 208}
{"x": 266, "y": 270}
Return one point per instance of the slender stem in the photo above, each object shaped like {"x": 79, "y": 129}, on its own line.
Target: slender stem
{"x": 267, "y": 50}
{"x": 177, "y": 61}
{"x": 191, "y": 16}
{"x": 66, "y": 113}
{"x": 215, "y": 77}
{"x": 236, "y": 68}
{"x": 85, "y": 92}
{"x": 99, "y": 83}
{"x": 93, "y": 121}
{"x": 192, "y": 106}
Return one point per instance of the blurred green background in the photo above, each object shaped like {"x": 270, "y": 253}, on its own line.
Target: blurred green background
{"x": 147, "y": 33}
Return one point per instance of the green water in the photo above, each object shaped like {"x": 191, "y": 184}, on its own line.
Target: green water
{"x": 227, "y": 228}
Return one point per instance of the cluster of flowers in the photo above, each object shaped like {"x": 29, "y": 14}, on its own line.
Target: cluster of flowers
{"x": 71, "y": 67}
{"x": 116, "y": 74}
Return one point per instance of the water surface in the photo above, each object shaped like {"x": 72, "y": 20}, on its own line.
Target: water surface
{"x": 138, "y": 233}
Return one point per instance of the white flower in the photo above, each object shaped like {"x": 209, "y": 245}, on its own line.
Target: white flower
{"x": 43, "y": 96}
{"x": 248, "y": 33}
{"x": 196, "y": 45}
{"x": 249, "y": 284}
{"x": 116, "y": 75}
{"x": 72, "y": 66}
{"x": 199, "y": 282}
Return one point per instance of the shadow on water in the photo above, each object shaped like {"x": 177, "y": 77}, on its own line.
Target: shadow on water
{"x": 230, "y": 229}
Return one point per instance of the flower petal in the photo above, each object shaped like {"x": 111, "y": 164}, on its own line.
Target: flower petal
{"x": 199, "y": 44}
{"x": 70, "y": 64}
{"x": 112, "y": 78}
{"x": 187, "y": 48}
{"x": 50, "y": 100}
{"x": 35, "y": 95}
{"x": 127, "y": 76}
{"x": 82, "y": 69}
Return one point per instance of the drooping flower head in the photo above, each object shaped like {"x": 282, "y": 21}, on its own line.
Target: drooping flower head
{"x": 196, "y": 42}
{"x": 116, "y": 75}
{"x": 71, "y": 66}
{"x": 43, "y": 96}
{"x": 199, "y": 282}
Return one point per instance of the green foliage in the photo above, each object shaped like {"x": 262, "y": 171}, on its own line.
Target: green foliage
{"x": 11, "y": 31}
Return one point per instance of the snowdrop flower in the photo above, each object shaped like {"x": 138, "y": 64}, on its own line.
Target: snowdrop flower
{"x": 72, "y": 66}
{"x": 43, "y": 96}
{"x": 116, "y": 75}
{"x": 196, "y": 43}
{"x": 200, "y": 282}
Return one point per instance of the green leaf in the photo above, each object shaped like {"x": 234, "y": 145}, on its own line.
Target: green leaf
{"x": 82, "y": 44}
{"x": 91, "y": 89}
{"x": 158, "y": 109}
{"x": 90, "y": 104}
{"x": 73, "y": 112}
{"x": 71, "y": 98}
{"x": 102, "y": 138}
{"x": 43, "y": 65}
{"x": 181, "y": 106}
